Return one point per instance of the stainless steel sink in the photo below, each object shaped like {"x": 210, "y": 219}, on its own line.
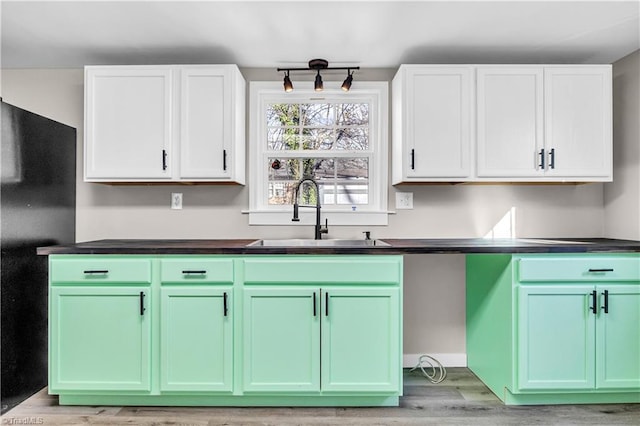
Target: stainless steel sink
{"x": 301, "y": 242}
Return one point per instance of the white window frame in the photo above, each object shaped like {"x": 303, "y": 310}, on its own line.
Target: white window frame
{"x": 263, "y": 93}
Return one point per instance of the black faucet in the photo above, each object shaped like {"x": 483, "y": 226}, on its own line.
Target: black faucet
{"x": 319, "y": 230}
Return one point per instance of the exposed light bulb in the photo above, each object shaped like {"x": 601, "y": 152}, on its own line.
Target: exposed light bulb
{"x": 346, "y": 85}
{"x": 288, "y": 86}
{"x": 318, "y": 83}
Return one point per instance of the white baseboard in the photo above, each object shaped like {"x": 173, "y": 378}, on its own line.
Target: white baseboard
{"x": 447, "y": 360}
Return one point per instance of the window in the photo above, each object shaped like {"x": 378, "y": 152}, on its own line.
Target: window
{"x": 338, "y": 139}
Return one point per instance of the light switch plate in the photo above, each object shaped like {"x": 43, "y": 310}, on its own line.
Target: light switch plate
{"x": 404, "y": 200}
{"x": 176, "y": 200}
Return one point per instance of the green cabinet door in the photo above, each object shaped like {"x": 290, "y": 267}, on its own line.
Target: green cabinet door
{"x": 100, "y": 338}
{"x": 556, "y": 337}
{"x": 196, "y": 339}
{"x": 281, "y": 339}
{"x": 360, "y": 339}
{"x": 618, "y": 337}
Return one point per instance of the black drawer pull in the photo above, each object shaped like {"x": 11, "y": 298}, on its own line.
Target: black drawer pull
{"x": 164, "y": 159}
{"x": 224, "y": 160}
{"x": 326, "y": 304}
{"x": 594, "y": 300}
{"x": 96, "y": 271}
{"x": 601, "y": 270}
{"x": 226, "y": 307}
{"x": 187, "y": 272}
{"x": 541, "y": 154}
{"x": 315, "y": 313}
{"x": 142, "y": 303}
{"x": 605, "y": 307}
{"x": 413, "y": 159}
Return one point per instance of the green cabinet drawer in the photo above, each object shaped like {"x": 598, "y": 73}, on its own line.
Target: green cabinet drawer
{"x": 579, "y": 268}
{"x": 99, "y": 269}
{"x": 196, "y": 271}
{"x": 382, "y": 270}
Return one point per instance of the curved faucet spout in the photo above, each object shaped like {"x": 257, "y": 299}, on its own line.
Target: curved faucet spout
{"x": 319, "y": 230}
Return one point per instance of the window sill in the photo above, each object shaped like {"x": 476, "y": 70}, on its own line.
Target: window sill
{"x": 346, "y": 218}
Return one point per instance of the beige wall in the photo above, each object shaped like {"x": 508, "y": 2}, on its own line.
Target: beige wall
{"x": 434, "y": 284}
{"x": 622, "y": 196}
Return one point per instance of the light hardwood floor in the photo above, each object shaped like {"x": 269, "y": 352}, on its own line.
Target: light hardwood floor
{"x": 460, "y": 400}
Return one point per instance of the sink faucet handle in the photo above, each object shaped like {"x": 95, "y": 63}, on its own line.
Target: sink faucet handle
{"x": 325, "y": 230}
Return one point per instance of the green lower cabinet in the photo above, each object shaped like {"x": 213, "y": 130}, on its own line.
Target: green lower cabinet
{"x": 618, "y": 337}
{"x": 216, "y": 330}
{"x": 360, "y": 340}
{"x": 556, "y": 338}
{"x": 557, "y": 328}
{"x": 196, "y": 339}
{"x": 100, "y": 339}
{"x": 336, "y": 339}
{"x": 281, "y": 339}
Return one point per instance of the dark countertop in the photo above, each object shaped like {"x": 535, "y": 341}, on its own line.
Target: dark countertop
{"x": 397, "y": 246}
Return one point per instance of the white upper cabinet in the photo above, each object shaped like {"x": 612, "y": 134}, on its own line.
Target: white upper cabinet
{"x": 431, "y": 123}
{"x": 164, "y": 123}
{"x": 509, "y": 126}
{"x": 212, "y": 124}
{"x": 578, "y": 123}
{"x": 533, "y": 123}
{"x": 128, "y": 123}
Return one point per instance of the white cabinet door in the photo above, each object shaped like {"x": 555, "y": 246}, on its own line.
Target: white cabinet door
{"x": 205, "y": 123}
{"x": 432, "y": 114}
{"x": 435, "y": 122}
{"x": 577, "y": 116}
{"x": 509, "y": 108}
{"x": 128, "y": 123}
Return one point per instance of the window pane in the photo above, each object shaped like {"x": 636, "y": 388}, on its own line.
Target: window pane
{"x": 352, "y": 138}
{"x": 317, "y": 114}
{"x": 284, "y": 169}
{"x": 283, "y": 115}
{"x": 352, "y": 168}
{"x": 352, "y": 114}
{"x": 281, "y": 193}
{"x": 282, "y": 138}
{"x": 317, "y": 138}
{"x": 283, "y": 177}
{"x": 352, "y": 194}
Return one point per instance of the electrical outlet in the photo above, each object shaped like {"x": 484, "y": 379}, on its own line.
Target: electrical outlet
{"x": 404, "y": 200}
{"x": 176, "y": 200}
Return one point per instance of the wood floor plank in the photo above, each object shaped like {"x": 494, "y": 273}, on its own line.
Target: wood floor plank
{"x": 460, "y": 400}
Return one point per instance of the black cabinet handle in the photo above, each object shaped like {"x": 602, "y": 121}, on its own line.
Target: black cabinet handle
{"x": 541, "y": 154}
{"x": 594, "y": 302}
{"x": 164, "y": 159}
{"x": 96, "y": 271}
{"x": 315, "y": 313}
{"x": 224, "y": 159}
{"x": 601, "y": 270}
{"x": 326, "y": 304}
{"x": 552, "y": 158}
{"x": 606, "y": 301}
{"x": 142, "y": 303}
{"x": 413, "y": 159}
{"x": 226, "y": 307}
{"x": 187, "y": 272}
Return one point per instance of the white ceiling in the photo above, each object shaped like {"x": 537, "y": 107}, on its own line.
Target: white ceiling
{"x": 289, "y": 33}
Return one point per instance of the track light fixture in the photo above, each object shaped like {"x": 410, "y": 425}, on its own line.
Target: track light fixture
{"x": 346, "y": 84}
{"x": 317, "y": 86}
{"x": 317, "y": 65}
{"x": 288, "y": 86}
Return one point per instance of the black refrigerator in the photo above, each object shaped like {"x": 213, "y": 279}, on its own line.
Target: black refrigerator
{"x": 37, "y": 208}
